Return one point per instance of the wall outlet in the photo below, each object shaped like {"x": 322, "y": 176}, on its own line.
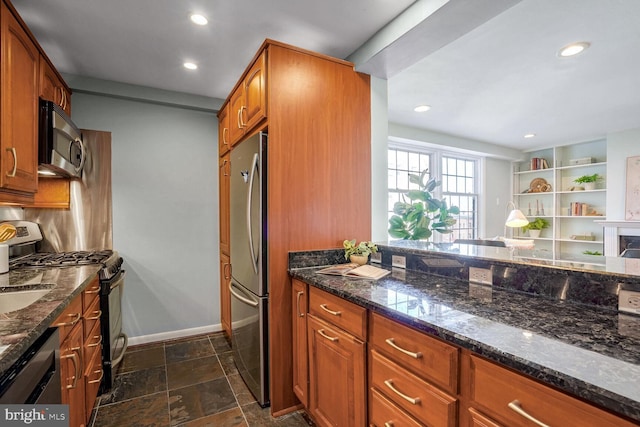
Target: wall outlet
{"x": 629, "y": 301}
{"x": 483, "y": 276}
{"x": 376, "y": 258}
{"x": 398, "y": 261}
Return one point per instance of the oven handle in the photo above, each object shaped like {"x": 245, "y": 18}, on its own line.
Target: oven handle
{"x": 118, "y": 359}
{"x": 118, "y": 280}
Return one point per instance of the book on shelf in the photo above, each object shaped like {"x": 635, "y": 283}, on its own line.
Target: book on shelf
{"x": 538, "y": 163}
{"x": 355, "y": 270}
{"x": 578, "y": 209}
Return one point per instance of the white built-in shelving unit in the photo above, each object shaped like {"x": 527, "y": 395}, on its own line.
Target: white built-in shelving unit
{"x": 564, "y": 164}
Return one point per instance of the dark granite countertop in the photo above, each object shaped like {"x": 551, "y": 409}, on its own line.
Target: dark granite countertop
{"x": 19, "y": 329}
{"x": 590, "y": 352}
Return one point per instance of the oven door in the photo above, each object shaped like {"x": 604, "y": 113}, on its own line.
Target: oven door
{"x": 114, "y": 340}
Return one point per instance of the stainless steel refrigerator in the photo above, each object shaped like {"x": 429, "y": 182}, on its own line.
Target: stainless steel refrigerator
{"x": 249, "y": 290}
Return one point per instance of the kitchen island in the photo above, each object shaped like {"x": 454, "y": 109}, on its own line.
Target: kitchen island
{"x": 555, "y": 324}
{"x": 19, "y": 329}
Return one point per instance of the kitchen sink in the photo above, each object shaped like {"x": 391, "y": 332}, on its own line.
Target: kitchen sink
{"x": 17, "y": 300}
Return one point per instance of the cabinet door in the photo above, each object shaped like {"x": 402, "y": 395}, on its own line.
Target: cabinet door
{"x": 337, "y": 394}
{"x": 300, "y": 357}
{"x": 225, "y": 296}
{"x": 224, "y": 141}
{"x": 224, "y": 169}
{"x": 255, "y": 93}
{"x": 19, "y": 108}
{"x": 52, "y": 88}
{"x": 72, "y": 375}
{"x": 236, "y": 115}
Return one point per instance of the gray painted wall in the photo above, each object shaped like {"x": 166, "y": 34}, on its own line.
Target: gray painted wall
{"x": 165, "y": 209}
{"x": 620, "y": 145}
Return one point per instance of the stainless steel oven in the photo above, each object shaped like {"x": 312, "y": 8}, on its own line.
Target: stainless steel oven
{"x": 114, "y": 339}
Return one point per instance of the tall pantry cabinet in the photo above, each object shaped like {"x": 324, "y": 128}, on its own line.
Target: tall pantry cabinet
{"x": 316, "y": 111}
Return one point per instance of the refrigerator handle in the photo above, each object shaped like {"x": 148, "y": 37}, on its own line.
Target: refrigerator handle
{"x": 241, "y": 298}
{"x": 254, "y": 168}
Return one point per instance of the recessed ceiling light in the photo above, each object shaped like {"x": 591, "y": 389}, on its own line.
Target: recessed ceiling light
{"x": 190, "y": 66}
{"x": 573, "y": 49}
{"x": 530, "y": 135}
{"x": 198, "y": 19}
{"x": 422, "y": 108}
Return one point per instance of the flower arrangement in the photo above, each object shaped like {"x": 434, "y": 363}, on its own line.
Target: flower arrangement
{"x": 361, "y": 249}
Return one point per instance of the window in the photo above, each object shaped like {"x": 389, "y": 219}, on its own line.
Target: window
{"x": 459, "y": 178}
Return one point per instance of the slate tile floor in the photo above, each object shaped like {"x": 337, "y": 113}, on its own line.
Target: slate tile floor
{"x": 190, "y": 382}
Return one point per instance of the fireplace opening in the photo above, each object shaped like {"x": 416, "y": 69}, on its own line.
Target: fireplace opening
{"x": 629, "y": 242}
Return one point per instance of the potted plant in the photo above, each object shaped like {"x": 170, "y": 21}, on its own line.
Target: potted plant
{"x": 358, "y": 253}
{"x": 419, "y": 214}
{"x": 589, "y": 181}
{"x": 535, "y": 227}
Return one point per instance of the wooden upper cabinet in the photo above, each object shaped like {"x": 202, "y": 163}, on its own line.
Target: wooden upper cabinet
{"x": 224, "y": 140}
{"x": 52, "y": 87}
{"x": 18, "y": 108}
{"x": 248, "y": 103}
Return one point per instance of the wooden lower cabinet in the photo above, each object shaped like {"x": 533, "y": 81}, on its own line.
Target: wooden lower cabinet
{"x": 71, "y": 372}
{"x": 507, "y": 398}
{"x": 413, "y": 379}
{"x": 81, "y": 353}
{"x": 337, "y": 376}
{"x": 300, "y": 354}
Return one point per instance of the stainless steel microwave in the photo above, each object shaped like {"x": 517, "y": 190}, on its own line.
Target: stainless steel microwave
{"x": 60, "y": 148}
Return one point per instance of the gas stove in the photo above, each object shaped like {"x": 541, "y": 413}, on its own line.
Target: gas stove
{"x": 110, "y": 260}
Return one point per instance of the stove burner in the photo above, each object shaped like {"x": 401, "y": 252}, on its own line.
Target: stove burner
{"x": 46, "y": 259}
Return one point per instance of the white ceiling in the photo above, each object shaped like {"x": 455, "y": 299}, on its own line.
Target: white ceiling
{"x": 494, "y": 83}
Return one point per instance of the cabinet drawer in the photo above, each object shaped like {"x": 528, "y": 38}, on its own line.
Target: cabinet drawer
{"x": 494, "y": 389}
{"x": 427, "y": 357}
{"x": 70, "y": 317}
{"x": 92, "y": 379}
{"x": 344, "y": 314}
{"x": 92, "y": 342}
{"x": 476, "y": 419}
{"x": 424, "y": 401}
{"x": 383, "y": 413}
{"x": 90, "y": 294}
{"x": 91, "y": 317}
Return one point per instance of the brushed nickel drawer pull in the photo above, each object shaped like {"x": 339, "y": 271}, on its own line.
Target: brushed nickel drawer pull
{"x": 97, "y": 342}
{"x": 333, "y": 339}
{"x": 92, "y": 290}
{"x": 96, "y": 317}
{"x": 335, "y": 313}
{"x": 73, "y": 322}
{"x": 99, "y": 379}
{"x": 412, "y": 400}
{"x": 388, "y": 424}
{"x": 300, "y": 314}
{"x": 515, "y": 406}
{"x": 392, "y": 343}
{"x": 74, "y": 358}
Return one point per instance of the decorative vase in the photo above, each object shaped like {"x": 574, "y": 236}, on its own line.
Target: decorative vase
{"x": 589, "y": 186}
{"x": 534, "y": 234}
{"x": 359, "y": 259}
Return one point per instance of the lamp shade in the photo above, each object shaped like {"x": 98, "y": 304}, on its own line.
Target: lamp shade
{"x": 516, "y": 219}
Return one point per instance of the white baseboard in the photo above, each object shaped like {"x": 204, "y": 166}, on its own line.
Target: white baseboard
{"x": 171, "y": 335}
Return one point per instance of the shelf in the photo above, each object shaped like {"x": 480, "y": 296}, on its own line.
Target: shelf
{"x": 585, "y": 165}
{"x": 554, "y": 205}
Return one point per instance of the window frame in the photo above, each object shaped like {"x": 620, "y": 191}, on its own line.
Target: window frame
{"x": 436, "y": 157}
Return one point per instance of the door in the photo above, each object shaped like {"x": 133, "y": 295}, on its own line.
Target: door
{"x": 247, "y": 213}
{"x": 249, "y": 340}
